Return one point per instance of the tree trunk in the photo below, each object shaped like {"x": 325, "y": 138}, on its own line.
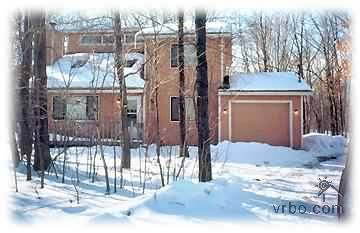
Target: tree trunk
{"x": 182, "y": 124}
{"x": 125, "y": 137}
{"x": 42, "y": 152}
{"x": 205, "y": 173}
{"x": 15, "y": 157}
{"x": 26, "y": 139}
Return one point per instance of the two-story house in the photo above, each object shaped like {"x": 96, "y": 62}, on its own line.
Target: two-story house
{"x": 261, "y": 107}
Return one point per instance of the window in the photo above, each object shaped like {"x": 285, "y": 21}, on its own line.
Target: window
{"x": 90, "y": 39}
{"x": 189, "y": 109}
{"x": 59, "y": 108}
{"x": 92, "y": 107}
{"x": 189, "y": 55}
{"x": 75, "y": 108}
{"x": 174, "y": 56}
{"x": 132, "y": 106}
{"x": 109, "y": 39}
{"x": 132, "y": 111}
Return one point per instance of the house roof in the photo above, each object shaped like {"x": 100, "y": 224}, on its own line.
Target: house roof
{"x": 77, "y": 23}
{"x": 268, "y": 82}
{"x": 189, "y": 28}
{"x": 93, "y": 71}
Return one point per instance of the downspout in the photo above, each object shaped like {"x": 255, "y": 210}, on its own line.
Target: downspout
{"x": 135, "y": 40}
{"x": 222, "y": 81}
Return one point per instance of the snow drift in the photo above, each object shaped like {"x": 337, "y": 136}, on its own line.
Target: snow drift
{"x": 322, "y": 145}
{"x": 262, "y": 154}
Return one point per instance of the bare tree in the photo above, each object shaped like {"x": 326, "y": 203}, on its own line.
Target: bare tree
{"x": 26, "y": 138}
{"x": 42, "y": 152}
{"x": 205, "y": 173}
{"x": 119, "y": 63}
{"x": 182, "y": 124}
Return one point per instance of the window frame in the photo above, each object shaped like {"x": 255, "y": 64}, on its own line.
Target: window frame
{"x": 53, "y": 108}
{"x": 102, "y": 43}
{"x": 186, "y": 118}
{"x": 90, "y": 44}
{"x": 77, "y": 120}
{"x": 177, "y": 62}
{"x": 107, "y": 35}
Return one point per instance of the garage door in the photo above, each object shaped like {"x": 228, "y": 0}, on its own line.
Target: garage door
{"x": 266, "y": 122}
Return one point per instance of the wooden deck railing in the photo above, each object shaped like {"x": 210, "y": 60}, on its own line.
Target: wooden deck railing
{"x": 88, "y": 132}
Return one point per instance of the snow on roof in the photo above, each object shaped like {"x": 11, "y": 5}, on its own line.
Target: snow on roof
{"x": 86, "y": 71}
{"x": 267, "y": 81}
{"x": 189, "y": 27}
{"x": 76, "y": 21}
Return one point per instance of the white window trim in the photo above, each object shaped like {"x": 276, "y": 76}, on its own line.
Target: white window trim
{"x": 269, "y": 102}
{"x": 138, "y": 107}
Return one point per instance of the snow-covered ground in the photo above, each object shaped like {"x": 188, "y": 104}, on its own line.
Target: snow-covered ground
{"x": 251, "y": 183}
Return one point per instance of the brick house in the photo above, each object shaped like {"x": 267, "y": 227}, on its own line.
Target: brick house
{"x": 262, "y": 107}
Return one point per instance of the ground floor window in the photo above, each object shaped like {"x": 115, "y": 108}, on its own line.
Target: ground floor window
{"x": 132, "y": 111}
{"x": 175, "y": 108}
{"x": 75, "y": 107}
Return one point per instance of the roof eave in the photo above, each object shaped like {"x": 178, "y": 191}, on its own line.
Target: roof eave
{"x": 265, "y": 92}
{"x": 94, "y": 90}
{"x": 185, "y": 34}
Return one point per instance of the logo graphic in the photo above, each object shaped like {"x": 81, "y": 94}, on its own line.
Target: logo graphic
{"x": 324, "y": 185}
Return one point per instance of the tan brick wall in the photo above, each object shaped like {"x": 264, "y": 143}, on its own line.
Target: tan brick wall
{"x": 169, "y": 130}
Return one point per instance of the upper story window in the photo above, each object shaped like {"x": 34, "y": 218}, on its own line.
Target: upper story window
{"x": 104, "y": 39}
{"x": 75, "y": 108}
{"x": 189, "y": 55}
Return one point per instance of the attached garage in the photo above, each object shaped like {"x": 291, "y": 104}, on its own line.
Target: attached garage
{"x": 248, "y": 121}
{"x": 262, "y": 108}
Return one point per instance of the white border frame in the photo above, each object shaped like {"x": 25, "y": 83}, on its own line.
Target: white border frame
{"x": 269, "y": 102}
